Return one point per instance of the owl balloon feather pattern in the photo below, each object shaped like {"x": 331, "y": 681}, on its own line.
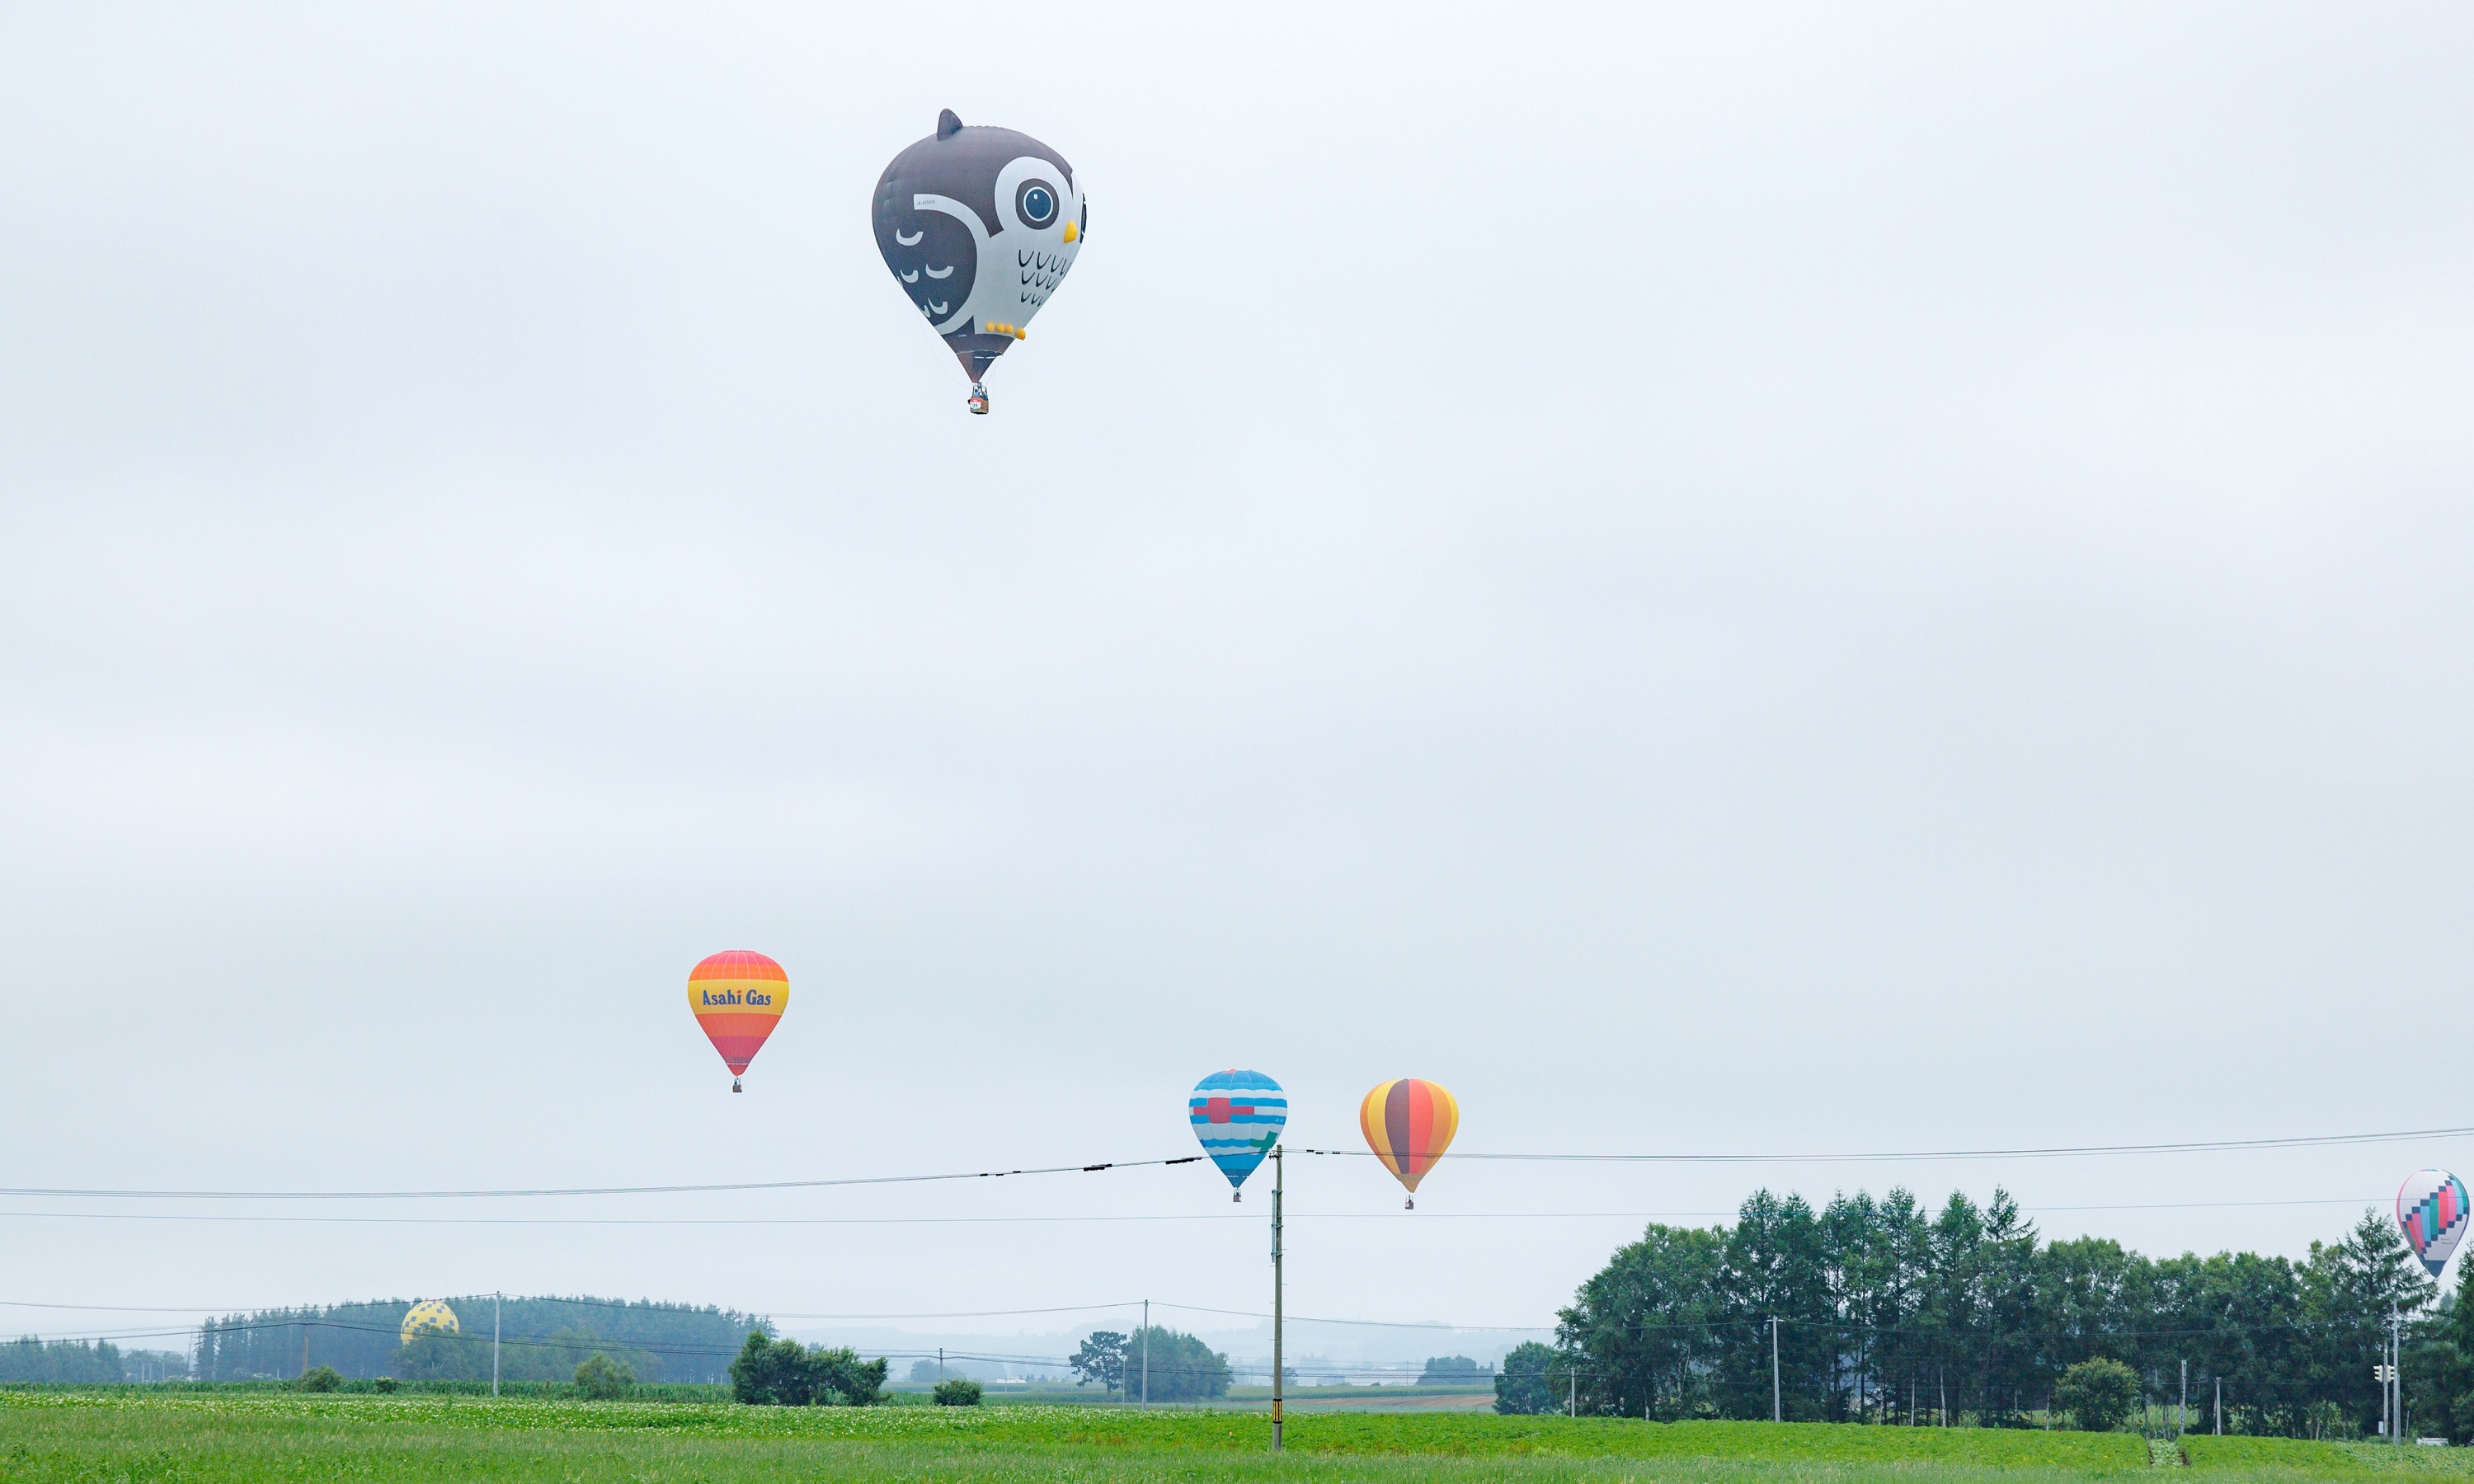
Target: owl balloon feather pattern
{"x": 978, "y": 225}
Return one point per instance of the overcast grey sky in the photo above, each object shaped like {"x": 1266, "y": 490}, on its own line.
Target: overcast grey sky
{"x": 1711, "y": 578}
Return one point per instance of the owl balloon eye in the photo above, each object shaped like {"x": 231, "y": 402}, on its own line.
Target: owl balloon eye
{"x": 1035, "y": 203}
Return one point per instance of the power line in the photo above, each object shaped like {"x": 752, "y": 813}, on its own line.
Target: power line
{"x": 2197, "y": 1146}
{"x": 1371, "y": 1324}
{"x": 307, "y": 1315}
{"x": 2190, "y": 1146}
{"x": 639, "y": 1306}
{"x": 489, "y": 1195}
{"x": 1422, "y": 1216}
{"x": 983, "y": 1313}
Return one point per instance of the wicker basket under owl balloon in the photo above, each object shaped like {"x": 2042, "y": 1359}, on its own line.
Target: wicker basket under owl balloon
{"x": 980, "y": 225}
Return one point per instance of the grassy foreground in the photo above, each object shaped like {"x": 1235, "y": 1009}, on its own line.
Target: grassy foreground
{"x": 199, "y": 1439}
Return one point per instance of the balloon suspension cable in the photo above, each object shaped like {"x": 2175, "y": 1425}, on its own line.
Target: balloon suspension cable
{"x": 979, "y": 400}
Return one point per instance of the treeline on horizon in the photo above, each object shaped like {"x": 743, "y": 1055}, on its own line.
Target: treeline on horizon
{"x": 1890, "y": 1312}
{"x": 34, "y": 1362}
{"x": 541, "y": 1339}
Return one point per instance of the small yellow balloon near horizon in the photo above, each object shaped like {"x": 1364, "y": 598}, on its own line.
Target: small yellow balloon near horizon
{"x": 429, "y": 1316}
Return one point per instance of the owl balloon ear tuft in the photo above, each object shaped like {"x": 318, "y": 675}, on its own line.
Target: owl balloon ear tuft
{"x": 979, "y": 227}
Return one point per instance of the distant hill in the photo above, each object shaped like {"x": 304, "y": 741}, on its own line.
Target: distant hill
{"x": 541, "y": 1339}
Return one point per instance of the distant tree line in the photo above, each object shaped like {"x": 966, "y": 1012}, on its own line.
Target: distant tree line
{"x": 60, "y": 1363}
{"x": 1888, "y": 1312}
{"x": 540, "y": 1340}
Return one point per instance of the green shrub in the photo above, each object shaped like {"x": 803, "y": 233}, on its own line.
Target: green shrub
{"x": 843, "y": 1377}
{"x": 2098, "y": 1394}
{"x": 599, "y": 1378}
{"x": 319, "y": 1378}
{"x": 1531, "y": 1382}
{"x": 784, "y": 1373}
{"x": 961, "y": 1391}
{"x": 384, "y": 1383}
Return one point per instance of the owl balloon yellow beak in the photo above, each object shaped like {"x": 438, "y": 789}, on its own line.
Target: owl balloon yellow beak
{"x": 1073, "y": 231}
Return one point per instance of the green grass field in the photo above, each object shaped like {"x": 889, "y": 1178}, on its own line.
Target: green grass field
{"x": 199, "y": 1438}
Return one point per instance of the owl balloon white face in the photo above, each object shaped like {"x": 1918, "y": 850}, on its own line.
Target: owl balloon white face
{"x": 980, "y": 227}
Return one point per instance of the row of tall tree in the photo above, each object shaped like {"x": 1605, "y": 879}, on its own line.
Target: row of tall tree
{"x": 540, "y": 1339}
{"x": 61, "y": 1363}
{"x": 1887, "y": 1311}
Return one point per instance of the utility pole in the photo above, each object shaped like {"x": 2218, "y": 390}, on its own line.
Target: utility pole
{"x": 1778, "y": 1414}
{"x": 940, "y": 1365}
{"x": 1279, "y": 1173}
{"x": 1147, "y": 1354}
{"x": 2396, "y": 1379}
{"x": 498, "y": 1306}
{"x": 2182, "y": 1408}
{"x": 1572, "y": 1386}
{"x": 2221, "y": 1406}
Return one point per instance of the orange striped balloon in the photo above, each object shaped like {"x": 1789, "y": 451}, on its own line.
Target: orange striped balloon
{"x": 738, "y": 998}
{"x": 1409, "y": 1123}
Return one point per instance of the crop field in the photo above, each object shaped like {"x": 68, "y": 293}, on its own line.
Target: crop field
{"x": 199, "y": 1438}
{"x": 1307, "y": 1400}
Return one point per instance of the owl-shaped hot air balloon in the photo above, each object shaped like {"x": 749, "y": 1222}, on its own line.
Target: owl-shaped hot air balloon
{"x": 737, "y": 998}
{"x": 1409, "y": 1123}
{"x": 980, "y": 227}
{"x": 2431, "y": 1211}
{"x": 1238, "y": 1115}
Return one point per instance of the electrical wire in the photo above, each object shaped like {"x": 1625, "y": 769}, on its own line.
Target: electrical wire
{"x": 1422, "y": 1216}
{"x": 492, "y": 1196}
{"x": 258, "y": 1311}
{"x": 2196, "y": 1146}
{"x": 2063, "y": 1151}
{"x": 1371, "y": 1324}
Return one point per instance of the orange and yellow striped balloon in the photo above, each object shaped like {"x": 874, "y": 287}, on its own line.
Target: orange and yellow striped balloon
{"x": 738, "y": 998}
{"x": 1409, "y": 1123}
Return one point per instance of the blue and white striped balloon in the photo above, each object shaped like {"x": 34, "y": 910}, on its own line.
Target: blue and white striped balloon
{"x": 1238, "y": 1115}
